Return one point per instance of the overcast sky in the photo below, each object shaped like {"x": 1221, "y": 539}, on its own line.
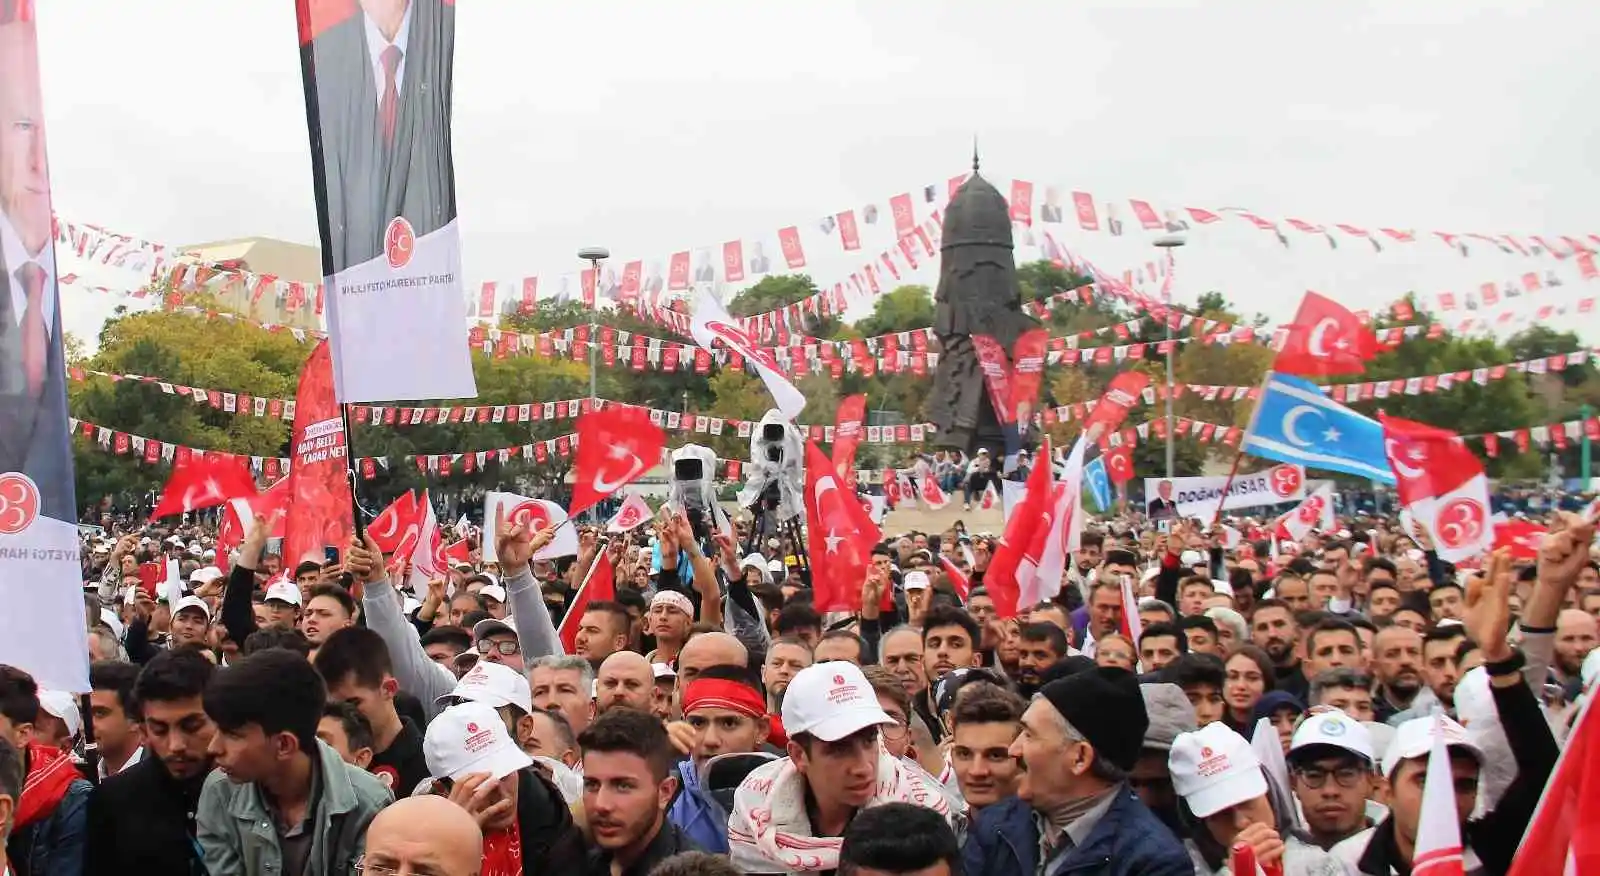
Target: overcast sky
{"x": 653, "y": 127}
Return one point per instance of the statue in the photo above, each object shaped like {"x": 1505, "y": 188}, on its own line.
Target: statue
{"x": 977, "y": 295}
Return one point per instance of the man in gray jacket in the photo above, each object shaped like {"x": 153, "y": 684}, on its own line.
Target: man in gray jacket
{"x": 280, "y": 802}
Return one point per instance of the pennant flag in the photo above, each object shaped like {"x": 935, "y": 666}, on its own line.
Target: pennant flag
{"x": 616, "y": 445}
{"x": 1131, "y": 626}
{"x": 933, "y": 495}
{"x": 1325, "y": 339}
{"x": 599, "y": 586}
{"x": 991, "y": 498}
{"x": 1295, "y": 422}
{"x": 397, "y": 525}
{"x": 1564, "y": 834}
{"x": 1442, "y": 484}
{"x": 1022, "y": 524}
{"x": 1313, "y": 512}
{"x": 429, "y": 561}
{"x": 536, "y": 514}
{"x": 1119, "y": 463}
{"x": 906, "y": 490}
{"x": 1045, "y": 560}
{"x": 1098, "y": 483}
{"x": 1120, "y": 396}
{"x": 1438, "y": 843}
{"x": 319, "y": 487}
{"x": 848, "y": 426}
{"x": 386, "y": 201}
{"x": 712, "y": 323}
{"x": 839, "y": 537}
{"x": 635, "y": 512}
{"x": 959, "y": 581}
{"x": 203, "y": 482}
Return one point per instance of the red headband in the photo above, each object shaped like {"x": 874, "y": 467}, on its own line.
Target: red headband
{"x": 720, "y": 693}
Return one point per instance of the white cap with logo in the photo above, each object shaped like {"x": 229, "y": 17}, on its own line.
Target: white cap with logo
{"x": 495, "y": 685}
{"x": 915, "y": 580}
{"x": 1214, "y": 768}
{"x": 471, "y": 738}
{"x": 1336, "y": 729}
{"x": 283, "y": 591}
{"x": 830, "y": 701}
{"x": 1414, "y": 738}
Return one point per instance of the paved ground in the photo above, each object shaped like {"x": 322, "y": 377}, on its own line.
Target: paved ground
{"x": 921, "y": 519}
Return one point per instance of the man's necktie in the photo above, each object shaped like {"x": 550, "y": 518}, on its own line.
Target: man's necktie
{"x": 34, "y": 339}
{"x": 389, "y": 106}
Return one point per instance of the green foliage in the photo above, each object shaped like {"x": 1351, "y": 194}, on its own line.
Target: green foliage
{"x": 903, "y": 309}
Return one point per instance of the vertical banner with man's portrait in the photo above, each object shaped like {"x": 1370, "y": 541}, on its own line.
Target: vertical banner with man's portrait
{"x": 42, "y": 625}
{"x": 378, "y": 98}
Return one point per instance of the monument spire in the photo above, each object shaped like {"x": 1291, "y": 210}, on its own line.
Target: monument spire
{"x": 974, "y": 153}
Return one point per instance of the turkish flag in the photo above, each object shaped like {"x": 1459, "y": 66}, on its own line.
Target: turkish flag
{"x": 928, "y": 486}
{"x": 1442, "y": 484}
{"x": 1521, "y": 537}
{"x": 839, "y": 537}
{"x": 616, "y": 446}
{"x": 1022, "y": 526}
{"x": 1325, "y": 338}
{"x": 958, "y": 581}
{"x": 240, "y": 515}
{"x": 600, "y": 586}
{"x": 634, "y": 513}
{"x": 202, "y": 482}
{"x": 396, "y": 527}
{"x": 1564, "y": 834}
{"x": 848, "y": 423}
{"x": 1119, "y": 463}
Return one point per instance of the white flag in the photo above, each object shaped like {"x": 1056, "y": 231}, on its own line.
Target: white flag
{"x": 533, "y": 513}
{"x": 712, "y": 323}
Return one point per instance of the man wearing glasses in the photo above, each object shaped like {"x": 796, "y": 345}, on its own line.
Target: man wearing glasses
{"x": 496, "y": 642}
{"x": 1331, "y": 767}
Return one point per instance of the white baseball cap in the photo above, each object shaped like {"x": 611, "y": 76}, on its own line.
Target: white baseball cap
{"x": 493, "y": 591}
{"x": 916, "y": 580}
{"x": 112, "y": 622}
{"x": 830, "y": 701}
{"x": 1414, "y": 738}
{"x": 1333, "y": 728}
{"x": 1214, "y": 768}
{"x": 494, "y": 685}
{"x": 205, "y": 575}
{"x": 63, "y": 706}
{"x": 489, "y": 626}
{"x": 663, "y": 670}
{"x": 471, "y": 738}
{"x": 284, "y": 591}
{"x": 189, "y": 602}
{"x": 195, "y": 549}
{"x": 1222, "y": 586}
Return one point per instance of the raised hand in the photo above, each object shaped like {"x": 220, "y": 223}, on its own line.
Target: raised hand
{"x": 1488, "y": 607}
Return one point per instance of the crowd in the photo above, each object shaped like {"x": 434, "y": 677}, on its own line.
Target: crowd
{"x": 256, "y": 715}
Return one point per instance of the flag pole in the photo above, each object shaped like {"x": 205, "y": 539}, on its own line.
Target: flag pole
{"x": 1238, "y": 455}
{"x": 350, "y": 470}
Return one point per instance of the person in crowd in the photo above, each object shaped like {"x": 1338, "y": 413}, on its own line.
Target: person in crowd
{"x": 1397, "y": 663}
{"x": 424, "y": 834}
{"x": 1170, "y": 714}
{"x": 142, "y": 818}
{"x": 1333, "y": 773}
{"x": 1225, "y": 799}
{"x": 49, "y": 822}
{"x": 791, "y": 814}
{"x": 628, "y": 784}
{"x": 726, "y": 714}
{"x": 903, "y": 654}
{"x": 949, "y": 641}
{"x": 1347, "y": 690}
{"x": 1160, "y": 644}
{"x": 602, "y": 631}
{"x": 625, "y": 680}
{"x": 1115, "y": 651}
{"x": 348, "y": 732}
{"x": 564, "y": 684}
{"x": 355, "y": 666}
{"x": 1080, "y": 737}
{"x": 1247, "y": 677}
{"x": 1039, "y": 646}
{"x": 11, "y": 773}
{"x": 114, "y": 714}
{"x": 274, "y": 773}
{"x": 1202, "y": 678}
{"x": 899, "y": 839}
{"x": 329, "y": 608}
{"x": 1201, "y": 635}
{"x": 527, "y": 825}
{"x": 983, "y": 723}
{"x": 1274, "y": 630}
{"x": 1332, "y": 644}
{"x": 843, "y": 645}
{"x": 785, "y": 659}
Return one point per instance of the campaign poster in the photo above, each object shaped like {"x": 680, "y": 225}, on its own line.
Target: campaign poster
{"x": 320, "y": 512}
{"x": 378, "y": 103}
{"x": 41, "y": 627}
{"x": 1199, "y": 496}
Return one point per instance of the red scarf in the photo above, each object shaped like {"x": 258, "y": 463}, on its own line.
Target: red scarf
{"x": 50, "y": 774}
{"x": 502, "y": 852}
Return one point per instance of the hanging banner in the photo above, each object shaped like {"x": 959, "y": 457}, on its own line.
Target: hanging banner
{"x": 996, "y": 367}
{"x": 378, "y": 103}
{"x": 41, "y": 630}
{"x": 1027, "y": 357}
{"x": 319, "y": 488}
{"x": 1198, "y": 496}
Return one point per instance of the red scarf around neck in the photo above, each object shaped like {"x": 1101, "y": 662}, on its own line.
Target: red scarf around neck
{"x": 50, "y": 773}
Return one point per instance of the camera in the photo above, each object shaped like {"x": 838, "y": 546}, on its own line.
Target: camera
{"x": 775, "y": 480}
{"x": 691, "y": 488}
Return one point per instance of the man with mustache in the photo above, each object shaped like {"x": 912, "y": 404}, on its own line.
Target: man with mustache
{"x": 141, "y": 820}
{"x": 1273, "y": 630}
{"x": 1040, "y": 646}
{"x": 1397, "y": 661}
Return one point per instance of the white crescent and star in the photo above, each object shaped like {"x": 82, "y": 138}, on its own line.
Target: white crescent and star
{"x": 1316, "y": 345}
{"x": 1292, "y": 418}
{"x": 634, "y": 469}
{"x": 1395, "y": 459}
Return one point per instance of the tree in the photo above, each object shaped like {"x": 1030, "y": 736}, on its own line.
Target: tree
{"x": 905, "y": 309}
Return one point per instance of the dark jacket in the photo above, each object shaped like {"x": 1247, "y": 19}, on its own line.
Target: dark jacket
{"x": 551, "y": 840}
{"x": 54, "y": 846}
{"x": 141, "y": 820}
{"x": 669, "y": 841}
{"x": 1128, "y": 841}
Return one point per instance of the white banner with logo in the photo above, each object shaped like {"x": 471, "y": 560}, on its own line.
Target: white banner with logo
{"x": 1200, "y": 496}
{"x": 536, "y": 514}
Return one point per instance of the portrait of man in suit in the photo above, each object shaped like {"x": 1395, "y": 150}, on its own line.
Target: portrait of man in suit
{"x": 33, "y": 394}
{"x": 383, "y": 88}
{"x": 1162, "y": 507}
{"x": 1050, "y": 210}
{"x": 759, "y": 263}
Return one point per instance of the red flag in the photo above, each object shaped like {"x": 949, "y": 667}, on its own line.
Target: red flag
{"x": 601, "y": 586}
{"x": 202, "y": 482}
{"x": 458, "y": 551}
{"x": 1564, "y": 834}
{"x": 1325, "y": 338}
{"x": 839, "y": 537}
{"x": 319, "y": 490}
{"x": 957, "y": 580}
{"x": 1442, "y": 484}
{"x": 1122, "y": 394}
{"x": 1021, "y": 530}
{"x": 1438, "y": 849}
{"x": 1119, "y": 463}
{"x": 241, "y": 513}
{"x": 1521, "y": 537}
{"x": 616, "y": 446}
{"x": 847, "y": 428}
{"x": 396, "y": 527}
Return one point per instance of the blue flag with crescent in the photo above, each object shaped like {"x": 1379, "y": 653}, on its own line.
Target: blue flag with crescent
{"x": 1295, "y": 422}
{"x": 1098, "y": 483}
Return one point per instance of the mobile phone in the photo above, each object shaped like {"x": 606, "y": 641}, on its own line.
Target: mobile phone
{"x": 331, "y": 555}
{"x": 1164, "y": 525}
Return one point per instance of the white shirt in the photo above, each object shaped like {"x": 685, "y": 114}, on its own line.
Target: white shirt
{"x": 377, "y": 43}
{"x": 16, "y": 255}
{"x": 138, "y": 754}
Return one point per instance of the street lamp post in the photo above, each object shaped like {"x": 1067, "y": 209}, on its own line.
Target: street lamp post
{"x": 1170, "y": 242}
{"x": 594, "y": 255}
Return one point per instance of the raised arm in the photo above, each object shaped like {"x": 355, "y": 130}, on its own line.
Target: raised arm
{"x": 418, "y": 675}
{"x": 515, "y": 546}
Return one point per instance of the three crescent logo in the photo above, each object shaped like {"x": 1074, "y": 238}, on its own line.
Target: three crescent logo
{"x": 1461, "y": 523}
{"x": 19, "y": 502}
{"x": 399, "y": 242}
{"x": 1285, "y": 480}
{"x": 531, "y": 515}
